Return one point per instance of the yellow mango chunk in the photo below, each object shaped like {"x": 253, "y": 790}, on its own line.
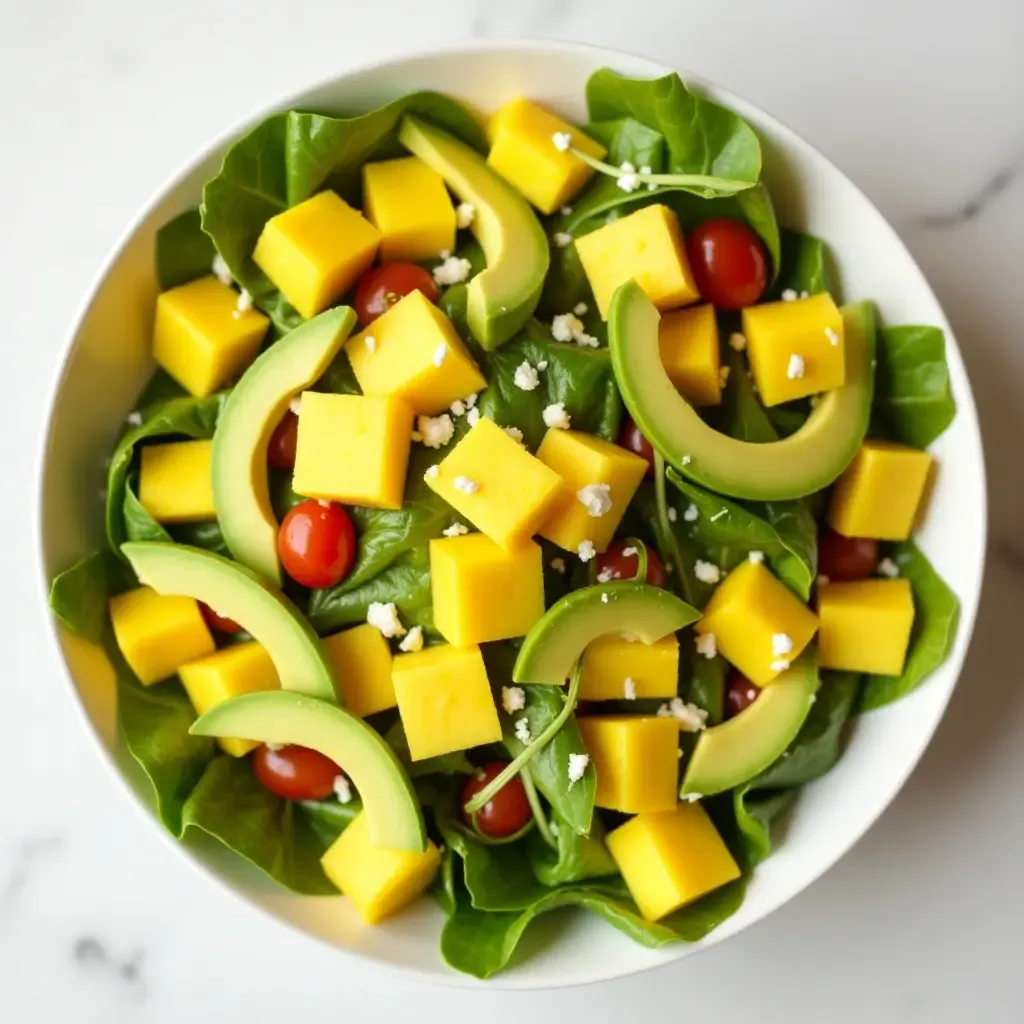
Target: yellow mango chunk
{"x": 444, "y": 700}
{"x": 636, "y": 759}
{"x": 230, "y": 672}
{"x": 880, "y": 493}
{"x": 615, "y": 668}
{"x": 760, "y": 625}
{"x": 315, "y": 251}
{"x": 865, "y": 626}
{"x": 523, "y": 152}
{"x": 584, "y": 461}
{"x": 646, "y": 245}
{"x": 198, "y": 339}
{"x": 409, "y": 205}
{"x": 174, "y": 482}
{"x": 377, "y": 879}
{"x": 493, "y": 481}
{"x": 353, "y": 449}
{"x": 795, "y": 348}
{"x": 361, "y": 660}
{"x": 483, "y": 592}
{"x": 416, "y": 354}
{"x": 670, "y": 859}
{"x": 156, "y": 634}
{"x": 688, "y": 339}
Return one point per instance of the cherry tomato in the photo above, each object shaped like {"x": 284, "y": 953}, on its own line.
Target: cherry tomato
{"x": 728, "y": 262}
{"x": 621, "y": 566}
{"x": 381, "y": 287}
{"x": 507, "y": 812}
{"x": 281, "y": 447}
{"x": 740, "y": 693}
{"x": 296, "y": 773}
{"x": 633, "y": 441}
{"x": 317, "y": 543}
{"x": 219, "y": 622}
{"x": 843, "y": 559}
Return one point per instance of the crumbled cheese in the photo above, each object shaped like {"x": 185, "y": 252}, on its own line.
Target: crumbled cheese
{"x": 455, "y": 530}
{"x": 444, "y": 254}
{"x": 432, "y": 472}
{"x": 718, "y": 515}
{"x": 707, "y": 572}
{"x": 691, "y": 513}
{"x": 757, "y": 557}
{"x": 561, "y": 239}
{"x": 562, "y": 141}
{"x": 780, "y": 665}
{"x": 464, "y": 215}
{"x": 558, "y": 564}
{"x": 723, "y": 375}
{"x": 737, "y": 341}
{"x": 458, "y": 407}
{"x": 473, "y": 417}
{"x": 596, "y": 498}
{"x": 295, "y": 405}
{"x": 556, "y": 416}
{"x": 645, "y": 168}
{"x": 630, "y": 551}
{"x": 342, "y": 789}
{"x": 691, "y": 718}
{"x": 542, "y": 365}
{"x": 580, "y": 308}
{"x": 629, "y": 689}
{"x": 586, "y": 550}
{"x": 673, "y": 515}
{"x": 513, "y": 699}
{"x": 887, "y": 567}
{"x": 565, "y": 327}
{"x": 435, "y": 431}
{"x": 385, "y": 618}
{"x": 413, "y": 641}
{"x": 751, "y": 694}
{"x": 782, "y": 643}
{"x": 577, "y": 767}
{"x": 685, "y": 460}
{"x": 805, "y": 294}
{"x": 515, "y": 433}
{"x": 135, "y": 419}
{"x": 439, "y": 353}
{"x": 565, "y": 211}
{"x": 788, "y": 295}
{"x": 607, "y": 575}
{"x": 627, "y": 167}
{"x": 470, "y": 400}
{"x": 221, "y": 271}
{"x": 464, "y": 484}
{"x": 526, "y": 377}
{"x": 629, "y": 180}
{"x": 833, "y": 338}
{"x": 452, "y": 270}
{"x": 822, "y": 579}
{"x": 243, "y": 305}
{"x": 795, "y": 367}
{"x": 692, "y": 798}
{"x": 523, "y": 730}
{"x": 604, "y": 599}
{"x": 706, "y": 645}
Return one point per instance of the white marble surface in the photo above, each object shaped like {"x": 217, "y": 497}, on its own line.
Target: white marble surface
{"x": 923, "y": 104}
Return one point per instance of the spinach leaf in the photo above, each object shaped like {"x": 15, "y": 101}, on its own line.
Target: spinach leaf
{"x": 79, "y": 595}
{"x": 629, "y": 139}
{"x": 329, "y": 818}
{"x": 936, "y": 617}
{"x": 804, "y": 266}
{"x": 576, "y": 859}
{"x": 201, "y": 535}
{"x": 406, "y": 582}
{"x": 913, "y": 399}
{"x": 183, "y": 251}
{"x": 138, "y": 523}
{"x": 455, "y": 763}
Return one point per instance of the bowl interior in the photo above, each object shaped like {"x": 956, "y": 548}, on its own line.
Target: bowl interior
{"x": 108, "y": 361}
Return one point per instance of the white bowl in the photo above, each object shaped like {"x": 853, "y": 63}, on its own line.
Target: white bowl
{"x": 107, "y": 360}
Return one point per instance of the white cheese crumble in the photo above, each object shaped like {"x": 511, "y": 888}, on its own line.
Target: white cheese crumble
{"x": 565, "y": 327}
{"x": 464, "y": 484}
{"x": 526, "y": 377}
{"x": 440, "y": 353}
{"x": 444, "y": 254}
{"x": 432, "y": 472}
{"x": 629, "y": 180}
{"x": 604, "y": 599}
{"x": 342, "y": 789}
{"x": 473, "y": 417}
{"x": 596, "y": 498}
{"x": 523, "y": 730}
{"x": 751, "y": 694}
{"x": 691, "y": 514}
{"x": 737, "y": 341}
{"x": 630, "y": 551}
{"x": 558, "y": 564}
{"x": 607, "y": 575}
{"x": 789, "y": 295}
{"x": 629, "y": 689}
{"x": 243, "y": 305}
{"x": 685, "y": 460}
{"x": 556, "y": 416}
{"x": 458, "y": 407}
{"x": 513, "y": 699}
{"x": 542, "y": 365}
{"x": 515, "y": 433}
{"x": 455, "y": 530}
{"x": 673, "y": 515}
{"x": 561, "y": 239}
{"x": 435, "y": 431}
{"x": 371, "y": 343}
{"x": 295, "y": 405}
{"x": 135, "y": 419}
{"x": 385, "y": 618}
{"x": 707, "y": 572}
{"x": 586, "y": 550}
{"x": 691, "y": 718}
{"x": 464, "y": 215}
{"x": 757, "y": 557}
{"x": 452, "y": 270}
{"x": 221, "y": 270}
{"x": 780, "y": 665}
{"x": 795, "y": 367}
{"x": 562, "y": 141}
{"x": 470, "y": 400}
{"x": 413, "y": 640}
{"x": 833, "y": 338}
{"x": 805, "y": 294}
{"x": 577, "y": 767}
{"x": 565, "y": 211}
{"x": 887, "y": 567}
{"x": 692, "y": 798}
{"x": 706, "y": 645}
{"x": 723, "y": 375}
{"x": 323, "y": 503}
{"x": 580, "y": 308}
{"x": 782, "y": 643}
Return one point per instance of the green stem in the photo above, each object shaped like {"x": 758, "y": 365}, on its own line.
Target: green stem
{"x": 706, "y": 182}
{"x": 669, "y": 542}
{"x": 533, "y": 749}
{"x": 641, "y": 558}
{"x": 538, "y": 811}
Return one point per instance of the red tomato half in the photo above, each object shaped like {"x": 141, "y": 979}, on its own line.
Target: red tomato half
{"x": 507, "y": 812}
{"x": 740, "y": 693}
{"x": 381, "y": 287}
{"x": 317, "y": 543}
{"x": 728, "y": 262}
{"x": 621, "y": 566}
{"x": 221, "y": 623}
{"x": 281, "y": 447}
{"x": 296, "y": 773}
{"x": 633, "y": 441}
{"x": 844, "y": 559}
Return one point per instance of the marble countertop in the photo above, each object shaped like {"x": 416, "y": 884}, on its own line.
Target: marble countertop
{"x": 923, "y": 105}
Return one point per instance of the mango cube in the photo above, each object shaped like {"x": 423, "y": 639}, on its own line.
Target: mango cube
{"x": 362, "y": 663}
{"x": 523, "y": 152}
{"x": 688, "y": 339}
{"x": 617, "y": 668}
{"x": 496, "y": 484}
{"x": 414, "y": 352}
{"x": 585, "y": 462}
{"x": 880, "y": 493}
{"x": 409, "y": 205}
{"x": 174, "y": 482}
{"x": 315, "y": 251}
{"x": 230, "y": 672}
{"x": 377, "y": 879}
{"x": 636, "y": 759}
{"x": 670, "y": 859}
{"x": 198, "y": 339}
{"x": 646, "y": 245}
{"x": 157, "y": 633}
{"x": 865, "y": 626}
{"x": 483, "y": 592}
{"x": 760, "y": 625}
{"x": 353, "y": 449}
{"x": 444, "y": 699}
{"x": 795, "y": 348}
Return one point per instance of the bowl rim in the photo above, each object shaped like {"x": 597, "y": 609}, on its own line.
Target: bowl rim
{"x": 966, "y": 408}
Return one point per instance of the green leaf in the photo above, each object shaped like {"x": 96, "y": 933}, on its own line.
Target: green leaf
{"x": 804, "y": 266}
{"x": 329, "y": 818}
{"x": 913, "y": 399}
{"x": 406, "y": 583}
{"x": 138, "y": 523}
{"x": 79, "y": 595}
{"x": 455, "y": 763}
{"x": 183, "y": 251}
{"x": 936, "y": 617}
{"x": 576, "y": 859}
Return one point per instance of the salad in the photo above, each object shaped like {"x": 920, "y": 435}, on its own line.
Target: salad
{"x": 518, "y": 515}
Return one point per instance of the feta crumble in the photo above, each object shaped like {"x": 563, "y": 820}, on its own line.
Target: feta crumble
{"x": 673, "y": 515}
{"x": 464, "y": 215}
{"x": 706, "y": 645}
{"x": 464, "y": 484}
{"x": 887, "y": 567}
{"x": 630, "y": 551}
{"x": 558, "y": 564}
{"x": 135, "y": 419}
{"x": 243, "y": 305}
{"x": 526, "y": 377}
{"x": 629, "y": 180}
{"x": 431, "y": 472}
{"x": 780, "y": 665}
{"x": 789, "y": 295}
{"x": 692, "y": 798}
{"x": 453, "y": 270}
{"x": 562, "y": 141}
{"x": 556, "y": 416}
{"x": 706, "y": 572}
{"x": 691, "y": 718}
{"x": 455, "y": 530}
{"x": 295, "y": 405}
{"x": 221, "y": 270}
{"x": 515, "y": 433}
{"x": 385, "y": 618}
{"x": 561, "y": 239}
{"x": 542, "y": 365}
{"x": 833, "y": 338}
{"x": 586, "y": 550}
{"x": 565, "y": 327}
{"x": 596, "y": 498}
{"x": 470, "y": 400}
{"x": 342, "y": 789}
{"x": 440, "y": 353}
{"x": 473, "y": 417}
{"x": 458, "y": 407}
{"x": 413, "y": 641}
{"x": 629, "y": 689}
{"x": 580, "y": 308}
{"x": 604, "y": 599}
{"x": 565, "y": 211}
{"x": 805, "y": 294}
{"x": 737, "y": 341}
{"x": 371, "y": 343}
{"x": 782, "y": 643}
{"x": 691, "y": 514}
{"x": 795, "y": 367}
{"x": 523, "y": 730}
{"x": 577, "y": 767}
{"x": 513, "y": 699}
{"x": 435, "y": 431}
{"x": 685, "y": 460}
{"x": 607, "y": 575}
{"x": 757, "y": 557}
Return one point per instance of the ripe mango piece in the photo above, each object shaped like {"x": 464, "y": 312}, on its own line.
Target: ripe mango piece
{"x": 361, "y": 660}
{"x": 175, "y": 485}
{"x": 688, "y": 339}
{"x": 612, "y": 659}
{"x": 865, "y": 625}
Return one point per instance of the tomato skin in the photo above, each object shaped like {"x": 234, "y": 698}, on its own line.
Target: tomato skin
{"x": 729, "y": 263}
{"x": 296, "y": 773}
{"x": 633, "y": 441}
{"x": 283, "y": 441}
{"x": 845, "y": 559}
{"x": 740, "y": 693}
{"x": 506, "y": 813}
{"x": 625, "y": 567}
{"x": 381, "y": 287}
{"x": 317, "y": 543}
{"x": 221, "y": 623}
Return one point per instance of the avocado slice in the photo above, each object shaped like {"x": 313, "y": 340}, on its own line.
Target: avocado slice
{"x": 556, "y": 641}
{"x": 730, "y": 754}
{"x": 804, "y": 462}
{"x": 392, "y": 809}
{"x": 252, "y": 411}
{"x": 238, "y": 593}
{"x": 502, "y": 297}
